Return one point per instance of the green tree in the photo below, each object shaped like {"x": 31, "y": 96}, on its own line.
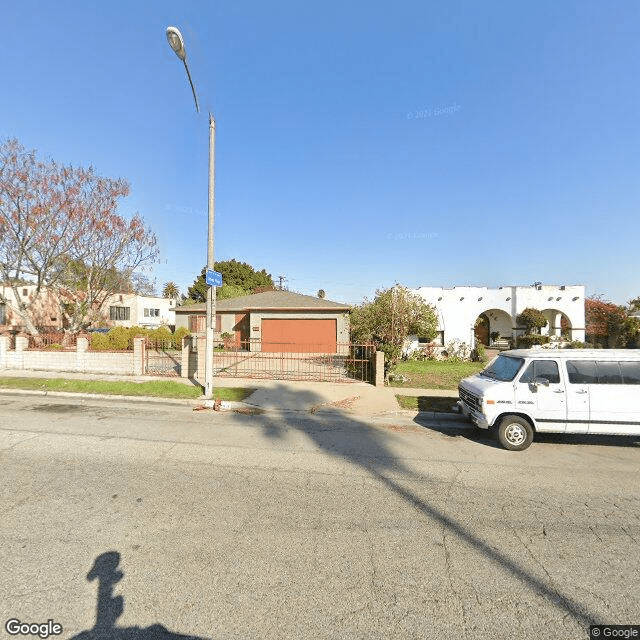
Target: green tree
{"x": 390, "y": 318}
{"x": 532, "y": 319}
{"x": 609, "y": 324}
{"x": 238, "y": 274}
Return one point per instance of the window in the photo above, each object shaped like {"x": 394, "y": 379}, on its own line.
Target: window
{"x": 504, "y": 368}
{"x": 542, "y": 369}
{"x": 25, "y": 293}
{"x": 3, "y": 313}
{"x": 152, "y": 313}
{"x": 146, "y": 313}
{"x": 119, "y": 313}
{"x": 630, "y": 372}
{"x": 603, "y": 372}
{"x": 609, "y": 373}
{"x": 582, "y": 371}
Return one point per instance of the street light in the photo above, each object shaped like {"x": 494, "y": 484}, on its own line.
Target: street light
{"x": 176, "y": 42}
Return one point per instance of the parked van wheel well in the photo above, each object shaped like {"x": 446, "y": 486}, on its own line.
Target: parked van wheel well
{"x": 501, "y": 417}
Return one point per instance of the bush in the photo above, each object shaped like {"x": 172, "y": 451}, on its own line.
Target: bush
{"x": 575, "y": 344}
{"x": 480, "y": 353}
{"x": 177, "y": 337}
{"x": 119, "y": 338}
{"x": 528, "y": 341}
{"x": 531, "y": 319}
{"x": 100, "y": 342}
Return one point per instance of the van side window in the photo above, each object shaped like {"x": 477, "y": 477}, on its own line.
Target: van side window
{"x": 609, "y": 373}
{"x": 542, "y": 369}
{"x": 630, "y": 372}
{"x": 582, "y": 372}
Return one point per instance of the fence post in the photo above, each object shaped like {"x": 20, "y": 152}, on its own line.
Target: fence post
{"x": 82, "y": 346}
{"x": 184, "y": 357}
{"x": 139, "y": 347}
{"x": 4, "y": 347}
{"x": 22, "y": 343}
{"x": 202, "y": 341}
{"x": 379, "y": 369}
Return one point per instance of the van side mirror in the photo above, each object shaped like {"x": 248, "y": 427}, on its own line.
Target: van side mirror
{"x": 541, "y": 381}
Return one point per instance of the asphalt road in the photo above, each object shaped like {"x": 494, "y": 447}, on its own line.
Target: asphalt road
{"x": 147, "y": 520}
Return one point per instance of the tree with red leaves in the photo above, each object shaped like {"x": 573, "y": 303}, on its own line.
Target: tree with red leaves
{"x": 606, "y": 322}
{"x": 60, "y": 230}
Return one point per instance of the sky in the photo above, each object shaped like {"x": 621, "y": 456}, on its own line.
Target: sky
{"x": 359, "y": 144}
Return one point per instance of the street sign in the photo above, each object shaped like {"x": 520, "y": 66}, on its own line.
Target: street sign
{"x": 213, "y": 278}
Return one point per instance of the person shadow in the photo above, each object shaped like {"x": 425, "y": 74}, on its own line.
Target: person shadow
{"x": 109, "y": 608}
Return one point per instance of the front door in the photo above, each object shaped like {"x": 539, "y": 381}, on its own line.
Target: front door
{"x": 547, "y": 403}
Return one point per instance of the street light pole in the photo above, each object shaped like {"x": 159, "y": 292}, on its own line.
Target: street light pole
{"x": 176, "y": 42}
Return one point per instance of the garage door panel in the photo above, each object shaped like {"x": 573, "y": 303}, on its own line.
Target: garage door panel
{"x": 299, "y": 335}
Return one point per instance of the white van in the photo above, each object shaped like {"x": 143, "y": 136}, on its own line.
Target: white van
{"x": 561, "y": 391}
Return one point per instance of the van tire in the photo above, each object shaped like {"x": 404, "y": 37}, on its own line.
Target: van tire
{"x": 515, "y": 433}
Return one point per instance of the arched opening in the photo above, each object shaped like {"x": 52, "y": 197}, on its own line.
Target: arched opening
{"x": 558, "y": 324}
{"x": 493, "y": 327}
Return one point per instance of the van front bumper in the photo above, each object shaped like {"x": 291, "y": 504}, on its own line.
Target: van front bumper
{"x": 474, "y": 416}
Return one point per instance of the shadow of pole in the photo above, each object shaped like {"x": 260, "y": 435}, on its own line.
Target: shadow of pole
{"x": 363, "y": 446}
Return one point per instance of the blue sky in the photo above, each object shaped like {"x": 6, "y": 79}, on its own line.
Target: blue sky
{"x": 359, "y": 143}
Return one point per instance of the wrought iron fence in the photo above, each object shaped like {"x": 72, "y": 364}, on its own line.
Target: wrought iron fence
{"x": 162, "y": 358}
{"x": 332, "y": 362}
{"x": 53, "y": 341}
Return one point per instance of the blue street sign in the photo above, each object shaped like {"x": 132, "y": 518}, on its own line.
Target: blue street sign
{"x": 213, "y": 278}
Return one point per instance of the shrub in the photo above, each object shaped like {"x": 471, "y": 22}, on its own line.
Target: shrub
{"x": 119, "y": 338}
{"x": 480, "y": 353}
{"x": 100, "y": 342}
{"x": 526, "y": 342}
{"x": 531, "y": 319}
{"x": 176, "y": 339}
{"x": 575, "y": 344}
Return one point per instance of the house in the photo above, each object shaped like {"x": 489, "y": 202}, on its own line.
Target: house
{"x": 43, "y": 311}
{"x": 132, "y": 310}
{"x": 488, "y": 315}
{"x": 274, "y": 321}
{"x": 120, "y": 309}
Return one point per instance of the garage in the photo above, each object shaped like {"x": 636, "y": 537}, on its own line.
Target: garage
{"x": 299, "y": 335}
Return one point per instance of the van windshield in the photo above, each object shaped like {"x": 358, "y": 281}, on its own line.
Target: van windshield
{"x": 503, "y": 368}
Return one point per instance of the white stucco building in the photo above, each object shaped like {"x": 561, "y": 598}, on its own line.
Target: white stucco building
{"x": 131, "y": 310}
{"x": 481, "y": 315}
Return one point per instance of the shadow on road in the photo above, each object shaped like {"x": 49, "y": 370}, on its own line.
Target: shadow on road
{"x": 485, "y": 436}
{"x": 110, "y": 608}
{"x": 344, "y": 436}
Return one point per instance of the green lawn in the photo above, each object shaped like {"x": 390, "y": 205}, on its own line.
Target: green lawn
{"x": 431, "y": 374}
{"x": 153, "y": 388}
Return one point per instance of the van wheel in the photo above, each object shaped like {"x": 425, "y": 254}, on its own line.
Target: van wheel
{"x": 515, "y": 433}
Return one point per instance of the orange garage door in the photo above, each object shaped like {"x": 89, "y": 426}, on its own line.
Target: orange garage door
{"x": 298, "y": 336}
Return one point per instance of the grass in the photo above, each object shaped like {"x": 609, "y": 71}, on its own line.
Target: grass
{"x": 153, "y": 388}
{"x": 427, "y": 403}
{"x": 432, "y": 374}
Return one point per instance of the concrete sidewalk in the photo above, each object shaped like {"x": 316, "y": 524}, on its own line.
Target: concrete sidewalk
{"x": 357, "y": 398}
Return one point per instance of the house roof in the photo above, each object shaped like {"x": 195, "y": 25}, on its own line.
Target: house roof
{"x": 270, "y": 300}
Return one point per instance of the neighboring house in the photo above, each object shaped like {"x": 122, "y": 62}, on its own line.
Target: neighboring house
{"x": 267, "y": 321}
{"x": 120, "y": 309}
{"x": 44, "y": 313}
{"x": 132, "y": 310}
{"x": 472, "y": 314}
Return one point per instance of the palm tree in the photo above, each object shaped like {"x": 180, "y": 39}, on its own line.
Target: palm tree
{"x": 170, "y": 290}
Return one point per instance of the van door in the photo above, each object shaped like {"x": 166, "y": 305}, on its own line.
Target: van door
{"x": 545, "y": 402}
{"x": 581, "y": 374}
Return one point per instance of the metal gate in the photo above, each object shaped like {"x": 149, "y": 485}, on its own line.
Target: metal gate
{"x": 161, "y": 358}
{"x": 293, "y": 361}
